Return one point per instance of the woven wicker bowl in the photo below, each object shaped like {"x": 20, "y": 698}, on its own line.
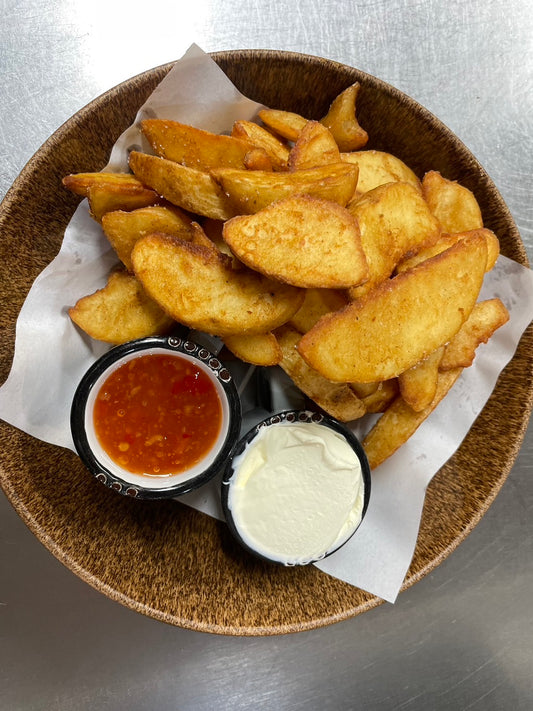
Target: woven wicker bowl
{"x": 164, "y": 559}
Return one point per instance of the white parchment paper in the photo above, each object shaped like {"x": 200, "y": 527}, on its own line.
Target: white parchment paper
{"x": 51, "y": 355}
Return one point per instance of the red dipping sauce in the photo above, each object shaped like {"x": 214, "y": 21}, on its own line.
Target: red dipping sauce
{"x": 157, "y": 414}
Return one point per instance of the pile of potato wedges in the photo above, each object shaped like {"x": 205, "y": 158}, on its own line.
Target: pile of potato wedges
{"x": 303, "y": 249}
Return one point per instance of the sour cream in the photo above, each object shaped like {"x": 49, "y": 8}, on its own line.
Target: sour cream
{"x": 297, "y": 492}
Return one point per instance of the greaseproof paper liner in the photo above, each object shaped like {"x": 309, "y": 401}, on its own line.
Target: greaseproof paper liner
{"x": 51, "y": 354}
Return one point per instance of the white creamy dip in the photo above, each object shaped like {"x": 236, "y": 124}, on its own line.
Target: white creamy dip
{"x": 297, "y": 492}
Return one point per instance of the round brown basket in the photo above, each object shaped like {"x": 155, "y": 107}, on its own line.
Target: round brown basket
{"x": 161, "y": 558}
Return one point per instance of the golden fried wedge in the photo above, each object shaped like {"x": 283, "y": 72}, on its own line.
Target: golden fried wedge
{"x": 262, "y": 349}
{"x": 80, "y": 183}
{"x": 315, "y": 146}
{"x": 394, "y": 220}
{"x": 108, "y": 198}
{"x": 251, "y": 190}
{"x": 337, "y": 400}
{"x": 381, "y": 397}
{"x": 342, "y": 122}
{"x": 123, "y": 229}
{"x": 193, "y": 146}
{"x": 257, "y": 159}
{"x": 418, "y": 385}
{"x": 363, "y": 390}
{"x": 287, "y": 124}
{"x": 277, "y": 151}
{"x": 198, "y": 236}
{"x": 120, "y": 312}
{"x": 399, "y": 422}
{"x": 188, "y": 188}
{"x": 455, "y": 207}
{"x": 197, "y": 286}
{"x": 485, "y": 319}
{"x": 401, "y": 321}
{"x": 445, "y": 241}
{"x": 317, "y": 303}
{"x": 300, "y": 240}
{"x": 378, "y": 168}
{"x": 213, "y": 230}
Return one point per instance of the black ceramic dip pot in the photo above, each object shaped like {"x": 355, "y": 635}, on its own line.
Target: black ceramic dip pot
{"x": 156, "y": 418}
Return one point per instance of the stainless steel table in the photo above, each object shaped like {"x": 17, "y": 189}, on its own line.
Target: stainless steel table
{"x": 462, "y": 638}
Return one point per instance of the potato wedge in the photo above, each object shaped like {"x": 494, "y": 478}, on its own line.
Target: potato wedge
{"x": 379, "y": 399}
{"x": 336, "y": 399}
{"x": 198, "y": 236}
{"x": 399, "y": 422}
{"x": 418, "y": 385}
{"x": 485, "y": 319}
{"x": 301, "y": 240}
{"x": 277, "y": 151}
{"x": 401, "y": 321}
{"x": 315, "y": 146}
{"x": 379, "y": 168}
{"x": 287, "y": 124}
{"x": 198, "y": 287}
{"x": 120, "y": 312}
{"x": 188, "y": 188}
{"x": 262, "y": 349}
{"x": 363, "y": 390}
{"x": 123, "y": 229}
{"x": 257, "y": 159}
{"x": 107, "y": 192}
{"x": 317, "y": 303}
{"x": 455, "y": 207}
{"x": 445, "y": 241}
{"x": 251, "y": 190}
{"x": 80, "y": 183}
{"x": 394, "y": 220}
{"x": 109, "y": 199}
{"x": 193, "y": 146}
{"x": 213, "y": 230}
{"x": 342, "y": 122}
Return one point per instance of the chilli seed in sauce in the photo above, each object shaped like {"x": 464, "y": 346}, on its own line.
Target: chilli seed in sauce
{"x": 157, "y": 414}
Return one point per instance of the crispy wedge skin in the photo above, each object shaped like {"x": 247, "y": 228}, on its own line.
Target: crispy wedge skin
{"x": 399, "y": 422}
{"x": 197, "y": 286}
{"x": 193, "y": 146}
{"x": 107, "y": 192}
{"x": 80, "y": 183}
{"x": 275, "y": 149}
{"x": 418, "y": 385}
{"x": 123, "y": 229}
{"x": 446, "y": 240}
{"x": 300, "y": 240}
{"x": 454, "y": 206}
{"x": 108, "y": 198}
{"x": 262, "y": 349}
{"x": 317, "y": 303}
{"x": 338, "y": 400}
{"x": 378, "y": 168}
{"x": 485, "y": 319}
{"x": 381, "y": 397}
{"x": 213, "y": 230}
{"x": 315, "y": 146}
{"x": 401, "y": 321}
{"x": 252, "y": 190}
{"x": 258, "y": 159}
{"x": 120, "y": 312}
{"x": 188, "y": 188}
{"x": 342, "y": 122}
{"x": 285, "y": 123}
{"x": 394, "y": 220}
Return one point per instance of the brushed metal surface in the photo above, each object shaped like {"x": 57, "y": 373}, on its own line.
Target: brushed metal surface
{"x": 462, "y": 638}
